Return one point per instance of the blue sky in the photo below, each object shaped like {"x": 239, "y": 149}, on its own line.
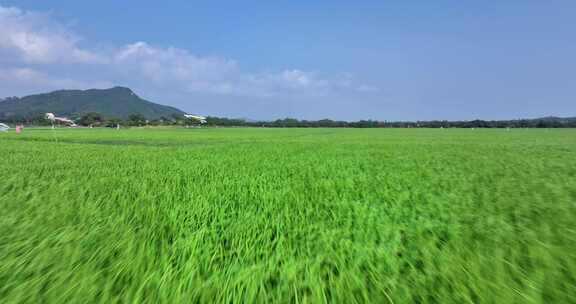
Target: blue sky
{"x": 387, "y": 60}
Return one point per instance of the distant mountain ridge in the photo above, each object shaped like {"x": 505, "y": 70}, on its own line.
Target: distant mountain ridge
{"x": 116, "y": 102}
{"x": 557, "y": 119}
{"x": 121, "y": 102}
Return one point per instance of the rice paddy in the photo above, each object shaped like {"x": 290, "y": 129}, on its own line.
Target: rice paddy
{"x": 288, "y": 216}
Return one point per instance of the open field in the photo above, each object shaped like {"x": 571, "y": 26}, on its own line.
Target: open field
{"x": 288, "y": 215}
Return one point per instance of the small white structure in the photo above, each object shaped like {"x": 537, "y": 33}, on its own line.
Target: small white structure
{"x": 61, "y": 120}
{"x": 4, "y": 127}
{"x": 198, "y": 118}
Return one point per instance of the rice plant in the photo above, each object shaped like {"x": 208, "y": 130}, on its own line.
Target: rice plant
{"x": 288, "y": 216}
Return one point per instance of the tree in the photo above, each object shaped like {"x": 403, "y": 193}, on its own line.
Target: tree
{"x": 136, "y": 120}
{"x": 91, "y": 119}
{"x": 178, "y": 119}
{"x": 113, "y": 122}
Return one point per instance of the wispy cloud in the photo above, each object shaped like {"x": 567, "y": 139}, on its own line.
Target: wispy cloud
{"x": 35, "y": 38}
{"x": 28, "y": 77}
{"x": 173, "y": 67}
{"x": 34, "y": 47}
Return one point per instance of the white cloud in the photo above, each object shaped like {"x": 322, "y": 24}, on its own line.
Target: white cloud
{"x": 36, "y": 40}
{"x": 28, "y": 77}
{"x": 297, "y": 78}
{"x": 24, "y": 81}
{"x": 295, "y": 81}
{"x": 177, "y": 67}
{"x": 173, "y": 67}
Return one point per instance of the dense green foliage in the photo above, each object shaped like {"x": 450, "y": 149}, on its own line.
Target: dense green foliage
{"x": 88, "y": 119}
{"x": 545, "y": 122}
{"x": 116, "y": 102}
{"x": 288, "y": 215}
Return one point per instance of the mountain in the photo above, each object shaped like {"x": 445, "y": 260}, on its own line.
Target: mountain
{"x": 117, "y": 102}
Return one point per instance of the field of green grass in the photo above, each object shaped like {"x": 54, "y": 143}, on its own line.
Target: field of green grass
{"x": 288, "y": 216}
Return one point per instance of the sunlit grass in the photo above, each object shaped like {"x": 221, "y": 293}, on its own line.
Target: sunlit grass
{"x": 288, "y": 215}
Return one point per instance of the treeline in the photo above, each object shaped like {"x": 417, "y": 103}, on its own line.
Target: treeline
{"x": 97, "y": 120}
{"x": 551, "y": 122}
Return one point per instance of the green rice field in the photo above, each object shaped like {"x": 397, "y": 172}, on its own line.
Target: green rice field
{"x": 240, "y": 215}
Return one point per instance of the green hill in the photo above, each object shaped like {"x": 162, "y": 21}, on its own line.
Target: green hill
{"x": 118, "y": 102}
